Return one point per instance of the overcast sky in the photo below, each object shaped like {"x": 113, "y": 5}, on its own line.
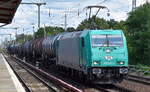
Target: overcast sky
{"x": 53, "y": 13}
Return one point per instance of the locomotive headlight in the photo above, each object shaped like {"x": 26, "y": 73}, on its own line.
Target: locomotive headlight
{"x": 95, "y": 62}
{"x": 108, "y": 50}
{"x": 120, "y": 62}
{"x": 108, "y": 57}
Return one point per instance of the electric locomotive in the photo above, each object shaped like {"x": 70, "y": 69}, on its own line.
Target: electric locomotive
{"x": 101, "y": 55}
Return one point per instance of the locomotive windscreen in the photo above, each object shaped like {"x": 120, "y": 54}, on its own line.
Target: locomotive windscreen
{"x": 107, "y": 40}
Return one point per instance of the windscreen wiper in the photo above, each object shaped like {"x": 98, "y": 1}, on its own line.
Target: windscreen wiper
{"x": 106, "y": 42}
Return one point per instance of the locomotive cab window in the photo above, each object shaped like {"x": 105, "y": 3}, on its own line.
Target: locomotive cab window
{"x": 111, "y": 40}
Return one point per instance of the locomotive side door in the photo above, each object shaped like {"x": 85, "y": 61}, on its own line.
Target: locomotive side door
{"x": 82, "y": 60}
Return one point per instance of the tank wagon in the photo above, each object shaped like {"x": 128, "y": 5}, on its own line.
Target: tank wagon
{"x": 100, "y": 56}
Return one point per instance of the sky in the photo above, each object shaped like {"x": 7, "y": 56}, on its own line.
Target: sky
{"x": 52, "y": 14}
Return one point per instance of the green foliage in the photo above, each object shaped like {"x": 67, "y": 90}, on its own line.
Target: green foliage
{"x": 70, "y": 29}
{"x": 89, "y": 24}
{"x": 101, "y": 24}
{"x": 28, "y": 37}
{"x": 22, "y": 38}
{"x": 138, "y": 26}
{"x": 143, "y": 68}
{"x": 117, "y": 25}
{"x": 48, "y": 31}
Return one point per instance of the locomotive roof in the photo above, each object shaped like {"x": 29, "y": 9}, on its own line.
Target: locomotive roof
{"x": 108, "y": 31}
{"x": 85, "y": 32}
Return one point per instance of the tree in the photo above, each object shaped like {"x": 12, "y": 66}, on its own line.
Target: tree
{"x": 138, "y": 26}
{"x": 89, "y": 24}
{"x": 47, "y": 31}
{"x": 70, "y": 29}
{"x": 101, "y": 23}
{"x": 22, "y": 38}
{"x": 117, "y": 25}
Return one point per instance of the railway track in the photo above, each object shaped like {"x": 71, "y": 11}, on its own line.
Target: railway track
{"x": 59, "y": 85}
{"x": 30, "y": 80}
{"x": 112, "y": 88}
{"x": 139, "y": 79}
{"x": 102, "y": 88}
{"x": 42, "y": 76}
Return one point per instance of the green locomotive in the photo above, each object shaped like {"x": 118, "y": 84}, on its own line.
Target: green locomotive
{"x": 100, "y": 55}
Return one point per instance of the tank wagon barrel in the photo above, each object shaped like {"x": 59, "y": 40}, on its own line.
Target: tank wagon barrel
{"x": 26, "y": 48}
{"x": 38, "y": 46}
{"x": 49, "y": 45}
{"x": 41, "y": 47}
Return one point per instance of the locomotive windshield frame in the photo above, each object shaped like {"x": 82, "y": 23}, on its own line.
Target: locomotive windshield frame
{"x": 107, "y": 40}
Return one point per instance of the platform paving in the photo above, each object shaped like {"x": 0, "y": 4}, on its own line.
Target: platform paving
{"x": 8, "y": 80}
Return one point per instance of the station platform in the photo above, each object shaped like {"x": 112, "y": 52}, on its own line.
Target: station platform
{"x": 8, "y": 80}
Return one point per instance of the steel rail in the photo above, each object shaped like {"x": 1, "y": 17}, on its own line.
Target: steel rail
{"x": 36, "y": 76}
{"x": 139, "y": 77}
{"x": 27, "y": 89}
{"x": 51, "y": 77}
{"x": 145, "y": 81}
{"x": 112, "y": 87}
